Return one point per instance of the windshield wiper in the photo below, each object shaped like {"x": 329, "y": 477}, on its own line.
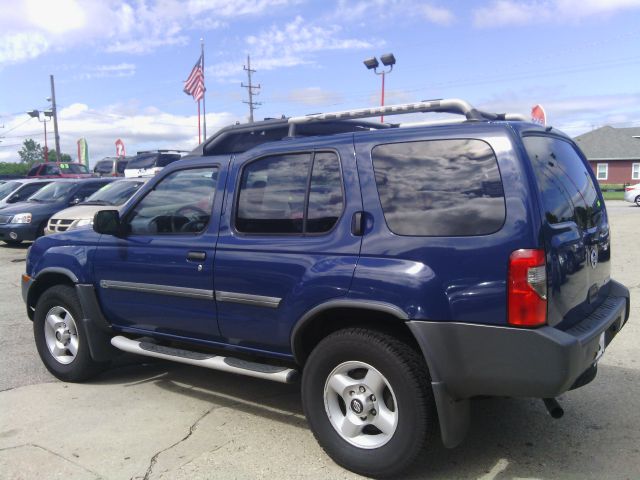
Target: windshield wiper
{"x": 96, "y": 202}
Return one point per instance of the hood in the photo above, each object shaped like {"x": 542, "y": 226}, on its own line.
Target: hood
{"x": 79, "y": 212}
{"x": 34, "y": 208}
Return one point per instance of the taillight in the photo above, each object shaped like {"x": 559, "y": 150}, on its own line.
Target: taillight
{"x": 527, "y": 290}
{"x": 629, "y": 188}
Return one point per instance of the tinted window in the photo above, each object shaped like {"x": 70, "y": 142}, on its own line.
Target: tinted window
{"x": 103, "y": 166}
{"x": 74, "y": 168}
{"x": 180, "y": 203}
{"x": 87, "y": 190}
{"x": 568, "y": 193}
{"x": 53, "y": 192}
{"x": 122, "y": 164}
{"x": 439, "y": 187}
{"x": 167, "y": 158}
{"x": 115, "y": 193}
{"x": 26, "y": 191}
{"x": 50, "y": 170}
{"x": 325, "y": 194}
{"x": 7, "y": 188}
{"x": 33, "y": 171}
{"x": 272, "y": 194}
{"x": 144, "y": 160}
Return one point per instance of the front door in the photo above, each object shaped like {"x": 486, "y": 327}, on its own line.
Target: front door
{"x": 158, "y": 278}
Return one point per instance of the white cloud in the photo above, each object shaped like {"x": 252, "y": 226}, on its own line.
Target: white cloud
{"x": 438, "y": 15}
{"x": 150, "y": 128}
{"x": 108, "y": 71}
{"x": 287, "y": 46}
{"x": 32, "y": 27}
{"x": 501, "y": 13}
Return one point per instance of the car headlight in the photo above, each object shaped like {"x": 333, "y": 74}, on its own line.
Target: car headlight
{"x": 83, "y": 222}
{"x": 21, "y": 218}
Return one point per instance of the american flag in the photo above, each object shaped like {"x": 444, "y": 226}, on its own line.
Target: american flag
{"x": 194, "y": 85}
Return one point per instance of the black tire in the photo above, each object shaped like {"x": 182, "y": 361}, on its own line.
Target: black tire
{"x": 81, "y": 367}
{"x": 12, "y": 243}
{"x": 637, "y": 201}
{"x": 404, "y": 370}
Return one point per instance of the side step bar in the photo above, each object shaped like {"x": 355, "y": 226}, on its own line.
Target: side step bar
{"x": 206, "y": 360}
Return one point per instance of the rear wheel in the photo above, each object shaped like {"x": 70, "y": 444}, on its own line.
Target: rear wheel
{"x": 60, "y": 338}
{"x": 368, "y": 400}
{"x": 638, "y": 200}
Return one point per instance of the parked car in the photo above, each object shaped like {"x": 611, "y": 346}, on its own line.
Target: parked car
{"x": 59, "y": 170}
{"x": 632, "y": 194}
{"x": 111, "y": 166}
{"x": 27, "y": 220}
{"x": 111, "y": 195}
{"x": 14, "y": 191}
{"x": 400, "y": 271}
{"x": 147, "y": 164}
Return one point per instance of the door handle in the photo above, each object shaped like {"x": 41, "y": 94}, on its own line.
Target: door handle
{"x": 196, "y": 256}
{"x": 357, "y": 224}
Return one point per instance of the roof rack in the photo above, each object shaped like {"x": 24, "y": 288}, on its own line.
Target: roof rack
{"x": 452, "y": 105}
{"x": 162, "y": 151}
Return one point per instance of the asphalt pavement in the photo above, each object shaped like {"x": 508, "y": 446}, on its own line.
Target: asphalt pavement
{"x": 158, "y": 420}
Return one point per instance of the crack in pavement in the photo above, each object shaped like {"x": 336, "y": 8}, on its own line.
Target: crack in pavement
{"x": 192, "y": 428}
{"x": 34, "y": 445}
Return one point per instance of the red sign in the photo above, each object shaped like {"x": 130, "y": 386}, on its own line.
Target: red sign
{"x": 538, "y": 115}
{"x": 120, "y": 150}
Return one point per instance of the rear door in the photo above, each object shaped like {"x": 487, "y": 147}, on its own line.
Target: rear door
{"x": 575, "y": 228}
{"x": 285, "y": 240}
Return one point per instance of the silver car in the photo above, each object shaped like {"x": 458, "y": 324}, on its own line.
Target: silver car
{"x": 632, "y": 194}
{"x": 112, "y": 195}
{"x": 18, "y": 190}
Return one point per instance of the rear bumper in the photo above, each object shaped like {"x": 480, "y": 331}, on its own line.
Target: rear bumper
{"x": 473, "y": 360}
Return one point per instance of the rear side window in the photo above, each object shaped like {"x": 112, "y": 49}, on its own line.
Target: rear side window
{"x": 167, "y": 158}
{"x": 568, "y": 193}
{"x": 103, "y": 166}
{"x": 290, "y": 194}
{"x": 439, "y": 187}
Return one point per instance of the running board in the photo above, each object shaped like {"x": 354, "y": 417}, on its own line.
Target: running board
{"x": 207, "y": 360}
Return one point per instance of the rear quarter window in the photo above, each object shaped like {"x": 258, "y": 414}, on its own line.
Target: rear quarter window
{"x": 439, "y": 187}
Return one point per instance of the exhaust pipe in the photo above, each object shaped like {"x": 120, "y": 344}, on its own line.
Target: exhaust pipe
{"x": 553, "y": 407}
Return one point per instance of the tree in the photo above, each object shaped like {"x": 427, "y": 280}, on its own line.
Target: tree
{"x": 64, "y": 157}
{"x": 31, "y": 152}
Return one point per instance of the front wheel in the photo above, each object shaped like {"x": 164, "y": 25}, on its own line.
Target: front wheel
{"x": 368, "y": 400}
{"x": 60, "y": 340}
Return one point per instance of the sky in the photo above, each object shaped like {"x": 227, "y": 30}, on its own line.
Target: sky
{"x": 119, "y": 66}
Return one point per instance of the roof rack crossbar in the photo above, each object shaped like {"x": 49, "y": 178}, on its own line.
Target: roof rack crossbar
{"x": 452, "y": 105}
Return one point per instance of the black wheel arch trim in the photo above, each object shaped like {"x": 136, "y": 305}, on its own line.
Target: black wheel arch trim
{"x": 303, "y": 321}
{"x": 64, "y": 271}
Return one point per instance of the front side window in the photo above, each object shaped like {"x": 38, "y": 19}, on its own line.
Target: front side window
{"x": 439, "y": 187}
{"x": 635, "y": 171}
{"x": 603, "y": 171}
{"x": 290, "y": 194}
{"x": 180, "y": 204}
{"x": 51, "y": 170}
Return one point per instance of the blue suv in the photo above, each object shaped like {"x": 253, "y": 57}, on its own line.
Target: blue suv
{"x": 399, "y": 271}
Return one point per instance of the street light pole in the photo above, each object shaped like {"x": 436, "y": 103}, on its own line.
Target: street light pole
{"x": 388, "y": 60}
{"x": 45, "y": 114}
{"x": 54, "y": 110}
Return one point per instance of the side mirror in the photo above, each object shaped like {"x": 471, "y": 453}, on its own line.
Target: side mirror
{"x": 107, "y": 222}
{"x": 75, "y": 201}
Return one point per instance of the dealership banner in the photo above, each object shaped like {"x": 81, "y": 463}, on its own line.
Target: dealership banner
{"x": 83, "y": 151}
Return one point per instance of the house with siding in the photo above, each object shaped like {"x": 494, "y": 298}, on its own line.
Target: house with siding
{"x": 613, "y": 153}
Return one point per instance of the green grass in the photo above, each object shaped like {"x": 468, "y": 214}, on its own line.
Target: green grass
{"x": 613, "y": 195}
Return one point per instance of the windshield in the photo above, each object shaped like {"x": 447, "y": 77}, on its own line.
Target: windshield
{"x": 115, "y": 193}
{"x": 146, "y": 160}
{"x": 7, "y": 188}
{"x": 53, "y": 192}
{"x": 73, "y": 168}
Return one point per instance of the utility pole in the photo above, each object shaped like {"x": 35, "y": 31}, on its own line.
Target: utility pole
{"x": 252, "y": 89}
{"x": 54, "y": 112}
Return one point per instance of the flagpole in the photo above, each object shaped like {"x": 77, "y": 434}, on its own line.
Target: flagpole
{"x": 199, "y": 137}
{"x": 204, "y": 94}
